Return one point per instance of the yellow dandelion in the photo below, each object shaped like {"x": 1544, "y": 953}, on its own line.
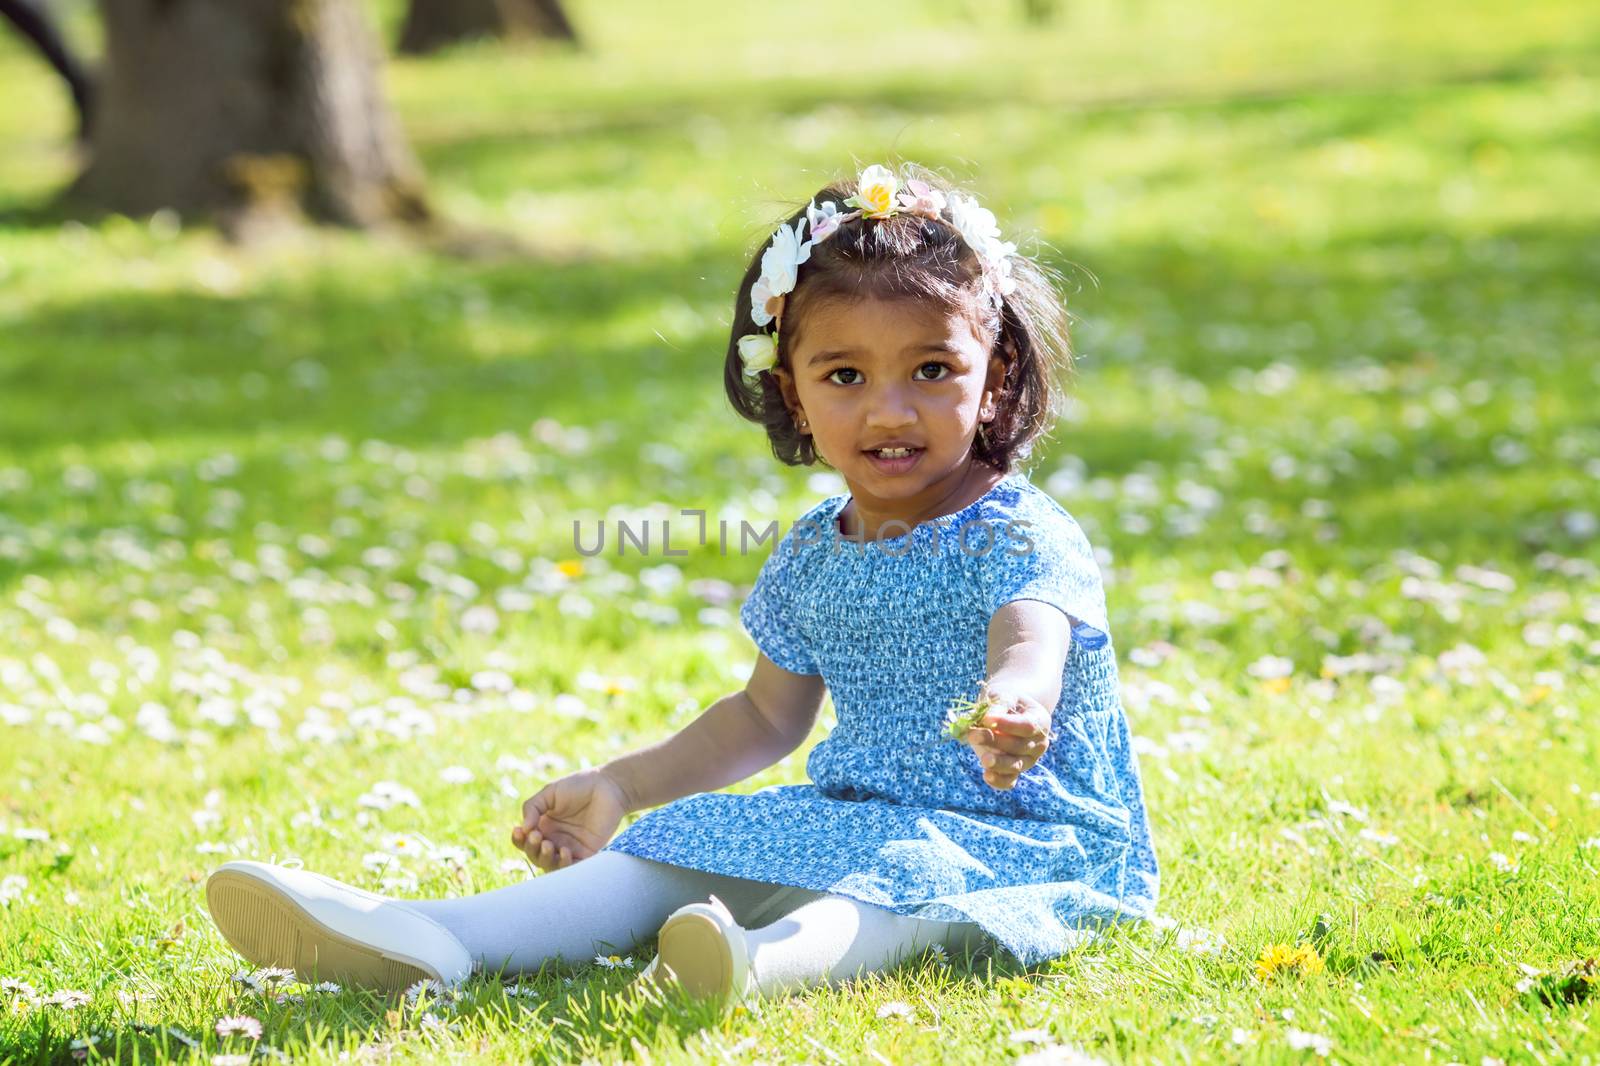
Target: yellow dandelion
{"x": 1274, "y": 957}
{"x": 1284, "y": 958}
{"x": 571, "y": 567}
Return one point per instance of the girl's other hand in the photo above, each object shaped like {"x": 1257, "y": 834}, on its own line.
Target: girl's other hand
{"x": 570, "y": 819}
{"x": 1010, "y": 738}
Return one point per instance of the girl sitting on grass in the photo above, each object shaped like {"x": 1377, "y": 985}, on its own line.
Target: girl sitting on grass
{"x": 890, "y": 333}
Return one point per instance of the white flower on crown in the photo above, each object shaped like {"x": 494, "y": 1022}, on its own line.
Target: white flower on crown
{"x": 758, "y": 352}
{"x": 822, "y": 220}
{"x": 780, "y": 268}
{"x": 875, "y": 192}
{"x": 979, "y": 229}
{"x": 1004, "y": 283}
{"x": 780, "y": 264}
{"x": 976, "y": 224}
{"x": 878, "y": 196}
{"x": 922, "y": 199}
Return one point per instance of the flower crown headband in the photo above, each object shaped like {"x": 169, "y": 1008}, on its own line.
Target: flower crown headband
{"x": 877, "y": 195}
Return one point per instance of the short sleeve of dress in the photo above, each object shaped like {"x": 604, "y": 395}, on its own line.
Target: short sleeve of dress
{"x": 1042, "y": 554}
{"x": 767, "y": 614}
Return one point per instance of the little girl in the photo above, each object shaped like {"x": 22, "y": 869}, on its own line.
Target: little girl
{"x": 893, "y": 335}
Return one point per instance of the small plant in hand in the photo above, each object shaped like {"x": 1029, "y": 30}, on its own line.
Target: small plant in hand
{"x": 964, "y": 714}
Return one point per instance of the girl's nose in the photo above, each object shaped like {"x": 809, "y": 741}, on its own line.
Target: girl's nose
{"x": 890, "y": 408}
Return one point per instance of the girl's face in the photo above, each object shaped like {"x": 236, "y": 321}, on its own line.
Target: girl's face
{"x": 874, "y": 374}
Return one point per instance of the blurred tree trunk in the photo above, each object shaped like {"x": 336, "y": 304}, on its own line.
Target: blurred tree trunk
{"x": 432, "y": 24}
{"x": 227, "y": 106}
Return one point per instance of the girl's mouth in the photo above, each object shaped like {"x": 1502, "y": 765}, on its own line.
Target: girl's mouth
{"x": 893, "y": 460}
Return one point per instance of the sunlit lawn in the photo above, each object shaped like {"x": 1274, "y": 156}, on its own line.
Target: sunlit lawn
{"x": 277, "y": 528}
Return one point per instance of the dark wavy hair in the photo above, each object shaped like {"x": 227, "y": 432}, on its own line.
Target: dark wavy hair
{"x": 908, "y": 257}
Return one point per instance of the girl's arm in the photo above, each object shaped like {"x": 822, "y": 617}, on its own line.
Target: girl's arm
{"x": 739, "y": 735}
{"x": 1028, "y": 645}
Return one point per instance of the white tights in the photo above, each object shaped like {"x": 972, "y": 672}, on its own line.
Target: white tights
{"x": 611, "y": 901}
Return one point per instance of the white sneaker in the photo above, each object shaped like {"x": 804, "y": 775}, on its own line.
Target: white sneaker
{"x": 329, "y": 931}
{"x": 702, "y": 951}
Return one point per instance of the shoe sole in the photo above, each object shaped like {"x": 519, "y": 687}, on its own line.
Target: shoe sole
{"x": 693, "y": 952}
{"x": 269, "y": 928}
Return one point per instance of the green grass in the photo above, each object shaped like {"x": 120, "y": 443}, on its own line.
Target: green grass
{"x": 1334, "y": 277}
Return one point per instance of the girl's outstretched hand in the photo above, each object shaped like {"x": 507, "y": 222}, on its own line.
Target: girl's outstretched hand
{"x": 1010, "y": 738}
{"x": 570, "y": 819}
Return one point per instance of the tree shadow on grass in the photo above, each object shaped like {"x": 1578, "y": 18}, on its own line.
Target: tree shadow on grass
{"x": 466, "y": 154}
{"x": 443, "y": 352}
{"x": 467, "y": 350}
{"x": 664, "y": 122}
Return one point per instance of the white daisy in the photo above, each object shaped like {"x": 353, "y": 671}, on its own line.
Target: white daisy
{"x": 1301, "y": 1040}
{"x": 248, "y": 980}
{"x": 21, "y": 989}
{"x": 427, "y": 986}
{"x": 66, "y": 999}
{"x": 273, "y": 975}
{"x": 1059, "y": 1055}
{"x": 239, "y": 1025}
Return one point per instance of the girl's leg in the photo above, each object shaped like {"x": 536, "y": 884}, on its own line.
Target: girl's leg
{"x": 600, "y": 905}
{"x": 834, "y": 938}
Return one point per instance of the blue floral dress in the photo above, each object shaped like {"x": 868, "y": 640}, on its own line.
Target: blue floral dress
{"x": 896, "y": 815}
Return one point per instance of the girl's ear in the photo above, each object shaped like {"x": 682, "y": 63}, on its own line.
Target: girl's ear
{"x": 993, "y": 387}
{"x": 791, "y": 398}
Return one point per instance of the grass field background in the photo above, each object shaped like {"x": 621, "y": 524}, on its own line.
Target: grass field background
{"x": 277, "y": 529}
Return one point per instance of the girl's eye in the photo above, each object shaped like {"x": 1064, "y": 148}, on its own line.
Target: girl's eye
{"x": 944, "y": 367}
